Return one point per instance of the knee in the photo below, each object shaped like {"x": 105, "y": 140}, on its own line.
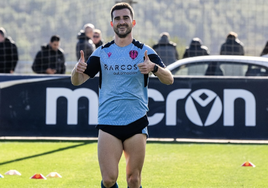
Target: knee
{"x": 108, "y": 181}
{"x": 133, "y": 180}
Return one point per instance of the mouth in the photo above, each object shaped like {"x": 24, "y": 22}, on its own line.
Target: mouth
{"x": 122, "y": 26}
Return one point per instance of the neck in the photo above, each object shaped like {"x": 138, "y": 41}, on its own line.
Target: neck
{"x": 123, "y": 41}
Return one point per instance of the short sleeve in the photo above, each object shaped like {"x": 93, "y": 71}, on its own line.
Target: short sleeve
{"x": 154, "y": 57}
{"x": 93, "y": 64}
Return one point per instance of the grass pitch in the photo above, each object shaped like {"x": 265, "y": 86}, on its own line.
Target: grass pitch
{"x": 167, "y": 165}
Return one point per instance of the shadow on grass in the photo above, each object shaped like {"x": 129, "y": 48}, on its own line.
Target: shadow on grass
{"x": 45, "y": 153}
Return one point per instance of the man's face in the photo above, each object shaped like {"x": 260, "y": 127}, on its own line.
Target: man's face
{"x": 89, "y": 32}
{"x": 2, "y": 38}
{"x": 96, "y": 38}
{"x": 122, "y": 22}
{"x": 55, "y": 45}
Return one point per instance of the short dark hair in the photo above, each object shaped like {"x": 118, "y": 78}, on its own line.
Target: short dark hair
{"x": 122, "y": 5}
{"x": 55, "y": 38}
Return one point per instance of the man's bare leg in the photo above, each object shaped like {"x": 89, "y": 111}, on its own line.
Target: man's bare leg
{"x": 134, "y": 150}
{"x": 110, "y": 151}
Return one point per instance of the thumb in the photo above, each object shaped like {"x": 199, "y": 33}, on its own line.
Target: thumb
{"x": 82, "y": 57}
{"x": 146, "y": 57}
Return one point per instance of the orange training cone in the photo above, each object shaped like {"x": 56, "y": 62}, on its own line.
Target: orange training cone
{"x": 38, "y": 176}
{"x": 54, "y": 175}
{"x": 248, "y": 164}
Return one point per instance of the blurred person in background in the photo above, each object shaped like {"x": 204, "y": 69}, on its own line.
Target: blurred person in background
{"x": 196, "y": 48}
{"x": 97, "y": 38}
{"x": 8, "y": 53}
{"x": 232, "y": 45}
{"x": 264, "y": 52}
{"x": 85, "y": 42}
{"x": 166, "y": 49}
{"x": 50, "y": 59}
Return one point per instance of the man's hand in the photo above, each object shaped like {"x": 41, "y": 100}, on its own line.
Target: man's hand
{"x": 147, "y": 66}
{"x": 78, "y": 77}
{"x": 50, "y": 71}
{"x": 81, "y": 66}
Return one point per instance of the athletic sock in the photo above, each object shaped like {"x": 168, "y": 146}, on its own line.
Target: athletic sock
{"x": 102, "y": 186}
{"x": 114, "y": 186}
{"x": 140, "y": 187}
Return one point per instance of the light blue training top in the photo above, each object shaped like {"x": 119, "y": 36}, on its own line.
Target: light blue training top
{"x": 123, "y": 89}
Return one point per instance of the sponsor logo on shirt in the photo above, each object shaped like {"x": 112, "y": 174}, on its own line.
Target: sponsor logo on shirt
{"x": 122, "y": 69}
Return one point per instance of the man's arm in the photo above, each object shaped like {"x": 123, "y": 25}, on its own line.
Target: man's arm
{"x": 62, "y": 66}
{"x": 164, "y": 75}
{"x": 15, "y": 57}
{"x": 78, "y": 77}
{"x": 39, "y": 63}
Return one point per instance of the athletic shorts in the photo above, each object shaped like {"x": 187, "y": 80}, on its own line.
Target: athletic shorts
{"x": 124, "y": 132}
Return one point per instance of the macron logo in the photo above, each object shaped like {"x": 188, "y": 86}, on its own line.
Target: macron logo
{"x": 109, "y": 54}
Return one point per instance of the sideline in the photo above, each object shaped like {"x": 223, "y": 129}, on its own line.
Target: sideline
{"x": 179, "y": 140}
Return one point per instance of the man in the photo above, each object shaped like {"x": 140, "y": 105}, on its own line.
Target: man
{"x": 50, "y": 60}
{"x": 97, "y": 38}
{"x": 85, "y": 42}
{"x": 196, "y": 48}
{"x": 124, "y": 65}
{"x": 8, "y": 53}
{"x": 166, "y": 49}
{"x": 232, "y": 46}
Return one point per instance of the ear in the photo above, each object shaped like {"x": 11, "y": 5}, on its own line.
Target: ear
{"x": 112, "y": 23}
{"x": 134, "y": 22}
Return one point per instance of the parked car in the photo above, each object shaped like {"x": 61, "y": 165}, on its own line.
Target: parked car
{"x": 220, "y": 65}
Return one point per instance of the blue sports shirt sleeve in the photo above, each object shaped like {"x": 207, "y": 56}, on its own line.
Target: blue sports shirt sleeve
{"x": 93, "y": 64}
{"x": 153, "y": 56}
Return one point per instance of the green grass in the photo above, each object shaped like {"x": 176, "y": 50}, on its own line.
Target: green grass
{"x": 167, "y": 165}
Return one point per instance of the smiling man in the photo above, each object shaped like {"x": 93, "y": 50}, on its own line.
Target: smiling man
{"x": 124, "y": 65}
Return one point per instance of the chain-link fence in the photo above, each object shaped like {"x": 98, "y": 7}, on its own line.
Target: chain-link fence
{"x": 31, "y": 23}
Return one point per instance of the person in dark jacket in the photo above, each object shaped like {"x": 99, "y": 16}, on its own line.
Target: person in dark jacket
{"x": 8, "y": 53}
{"x": 50, "y": 60}
{"x": 85, "y": 42}
{"x": 265, "y": 50}
{"x": 232, "y": 46}
{"x": 166, "y": 49}
{"x": 195, "y": 49}
{"x": 97, "y": 38}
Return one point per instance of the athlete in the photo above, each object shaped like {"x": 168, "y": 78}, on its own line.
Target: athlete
{"x": 123, "y": 66}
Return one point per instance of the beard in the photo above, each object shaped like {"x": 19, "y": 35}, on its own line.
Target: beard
{"x": 125, "y": 34}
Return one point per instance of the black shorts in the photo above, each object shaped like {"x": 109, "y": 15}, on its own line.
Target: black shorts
{"x": 124, "y": 132}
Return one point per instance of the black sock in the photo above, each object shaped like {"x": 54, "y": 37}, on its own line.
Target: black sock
{"x": 114, "y": 186}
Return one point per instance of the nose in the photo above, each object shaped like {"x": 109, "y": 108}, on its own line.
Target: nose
{"x": 122, "y": 21}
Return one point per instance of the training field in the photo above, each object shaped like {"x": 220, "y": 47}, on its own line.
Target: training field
{"x": 167, "y": 165}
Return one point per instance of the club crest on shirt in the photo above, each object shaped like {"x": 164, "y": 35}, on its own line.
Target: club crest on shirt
{"x": 109, "y": 54}
{"x": 133, "y": 54}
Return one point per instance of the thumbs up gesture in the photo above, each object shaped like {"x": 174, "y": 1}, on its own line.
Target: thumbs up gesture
{"x": 81, "y": 65}
{"x": 147, "y": 66}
